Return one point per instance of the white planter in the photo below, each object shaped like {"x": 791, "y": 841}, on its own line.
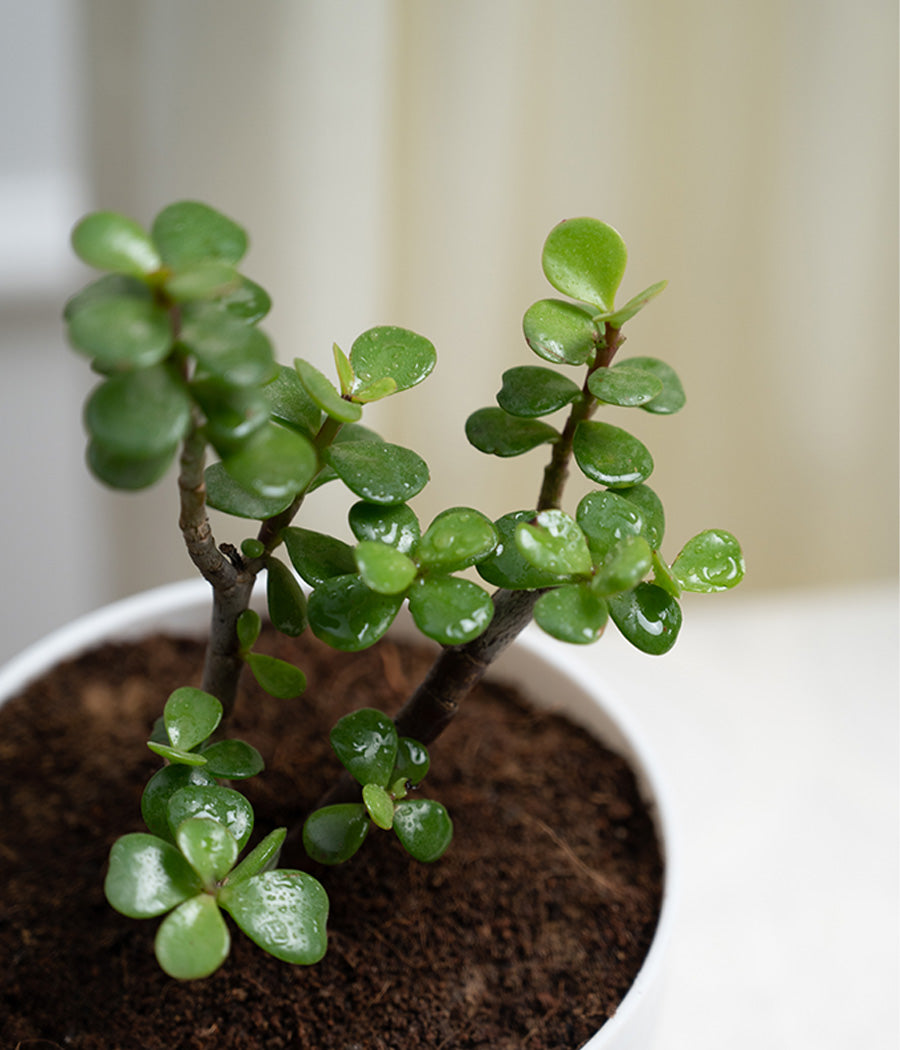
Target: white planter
{"x": 535, "y": 663}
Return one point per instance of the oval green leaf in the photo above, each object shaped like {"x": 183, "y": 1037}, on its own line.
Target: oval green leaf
{"x": 379, "y": 472}
{"x": 396, "y": 524}
{"x": 554, "y": 543}
{"x": 191, "y": 715}
{"x": 648, "y": 617}
{"x": 384, "y": 568}
{"x": 672, "y": 397}
{"x": 497, "y": 433}
{"x": 246, "y": 301}
{"x": 531, "y": 391}
{"x": 605, "y": 519}
{"x": 110, "y": 241}
{"x": 316, "y": 556}
{"x": 290, "y": 404}
{"x": 651, "y": 510}
{"x": 224, "y": 805}
{"x": 561, "y": 332}
{"x": 350, "y": 616}
{"x": 209, "y": 848}
{"x": 379, "y": 805}
{"x": 413, "y": 761}
{"x": 610, "y": 455}
{"x": 388, "y": 352}
{"x": 325, "y": 395}
{"x": 263, "y": 857}
{"x": 424, "y": 828}
{"x": 366, "y": 743}
{"x": 147, "y": 876}
{"x": 139, "y": 414}
{"x": 276, "y": 464}
{"x": 627, "y": 387}
{"x": 624, "y": 567}
{"x": 203, "y": 280}
{"x": 505, "y": 566}
{"x": 233, "y": 760}
{"x": 233, "y": 414}
{"x": 189, "y": 232}
{"x": 285, "y": 599}
{"x": 450, "y": 610}
{"x": 231, "y": 350}
{"x": 278, "y": 677}
{"x": 249, "y": 624}
{"x": 572, "y": 613}
{"x": 585, "y": 259}
{"x": 193, "y": 941}
{"x": 457, "y": 538}
{"x": 225, "y": 494}
{"x": 162, "y": 786}
{"x": 121, "y": 332}
{"x": 635, "y": 305}
{"x": 711, "y": 561}
{"x": 333, "y": 834}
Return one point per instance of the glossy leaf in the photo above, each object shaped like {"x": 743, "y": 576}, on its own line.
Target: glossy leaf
{"x": 233, "y": 760}
{"x": 505, "y": 566}
{"x": 532, "y": 391}
{"x": 672, "y": 398}
{"x": 396, "y": 524}
{"x": 162, "y": 786}
{"x": 635, "y": 305}
{"x": 176, "y": 754}
{"x": 202, "y": 280}
{"x": 648, "y": 617}
{"x": 233, "y": 414}
{"x": 277, "y": 464}
{"x": 572, "y": 613}
{"x": 278, "y": 677}
{"x": 412, "y": 762}
{"x": 384, "y": 568}
{"x": 333, "y": 834}
{"x": 662, "y": 576}
{"x": 148, "y": 876}
{"x": 193, "y": 941}
{"x": 366, "y": 743}
{"x": 381, "y": 388}
{"x": 379, "y": 472}
{"x": 252, "y": 548}
{"x": 209, "y": 848}
{"x": 130, "y": 473}
{"x": 555, "y": 544}
{"x": 348, "y": 615}
{"x": 189, "y": 232}
{"x": 191, "y": 715}
{"x": 316, "y": 556}
{"x": 249, "y": 625}
{"x": 388, "y": 352}
{"x": 651, "y": 510}
{"x": 450, "y": 610}
{"x": 285, "y": 599}
{"x": 348, "y": 433}
{"x": 379, "y": 804}
{"x": 611, "y": 456}
{"x": 290, "y": 403}
{"x": 285, "y": 912}
{"x": 246, "y": 301}
{"x": 121, "y": 332}
{"x": 344, "y": 370}
{"x": 561, "y": 332}
{"x": 496, "y": 432}
{"x": 605, "y": 519}
{"x": 110, "y": 241}
{"x": 236, "y": 353}
{"x": 225, "y": 494}
{"x": 457, "y": 538}
{"x": 263, "y": 857}
{"x": 585, "y": 259}
{"x": 627, "y": 387}
{"x": 224, "y": 805}
{"x": 711, "y": 561}
{"x": 624, "y": 567}
{"x": 424, "y": 828}
{"x": 324, "y": 394}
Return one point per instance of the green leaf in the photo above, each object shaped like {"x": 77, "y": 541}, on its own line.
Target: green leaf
{"x": 249, "y": 625}
{"x": 711, "y": 561}
{"x": 285, "y": 599}
{"x": 378, "y": 471}
{"x": 635, "y": 305}
{"x": 651, "y": 510}
{"x": 290, "y": 404}
{"x": 561, "y": 332}
{"x": 285, "y": 912}
{"x": 262, "y": 857}
{"x": 121, "y": 332}
{"x": 324, "y": 395}
{"x": 348, "y": 615}
{"x": 344, "y": 370}
{"x": 276, "y": 464}
{"x": 606, "y": 518}
{"x": 233, "y": 414}
{"x": 366, "y": 743}
{"x": 348, "y": 433}
{"x": 162, "y": 786}
{"x": 388, "y": 352}
{"x": 278, "y": 677}
{"x": 672, "y": 397}
{"x": 648, "y": 617}
{"x": 496, "y": 432}
{"x": 423, "y": 827}
{"x": 627, "y": 387}
{"x": 189, "y": 232}
{"x": 246, "y": 301}
{"x": 412, "y": 762}
{"x": 610, "y": 455}
{"x": 233, "y": 760}
{"x": 624, "y": 567}
{"x": 147, "y": 876}
{"x": 585, "y": 259}
{"x": 505, "y": 566}
{"x": 234, "y": 352}
{"x": 202, "y": 280}
{"x": 127, "y": 472}
{"x": 193, "y": 941}
{"x": 176, "y": 754}
{"x": 381, "y": 388}
{"x": 572, "y": 613}
{"x": 555, "y": 544}
{"x": 450, "y": 610}
{"x": 457, "y": 538}
{"x": 221, "y": 804}
{"x": 395, "y": 524}
{"x": 384, "y": 568}
{"x": 110, "y": 286}
{"x": 316, "y": 556}
{"x": 532, "y": 391}
{"x": 333, "y": 834}
{"x": 209, "y": 848}
{"x": 379, "y": 804}
{"x": 662, "y": 576}
{"x": 225, "y": 494}
{"x": 110, "y": 241}
{"x": 191, "y": 715}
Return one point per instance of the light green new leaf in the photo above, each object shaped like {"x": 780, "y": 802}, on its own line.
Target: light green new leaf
{"x": 249, "y": 625}
{"x": 325, "y": 395}
{"x": 561, "y": 332}
{"x": 109, "y": 241}
{"x": 457, "y": 538}
{"x": 497, "y": 433}
{"x": 191, "y": 715}
{"x": 424, "y": 828}
{"x": 379, "y": 805}
{"x": 148, "y": 876}
{"x": 635, "y": 305}
{"x": 189, "y": 232}
{"x": 450, "y": 610}
{"x": 333, "y": 834}
{"x": 532, "y": 391}
{"x": 209, "y": 848}
{"x": 554, "y": 543}
{"x": 262, "y": 857}
{"x": 711, "y": 561}
{"x": 624, "y": 567}
{"x": 377, "y": 471}
{"x": 193, "y": 941}
{"x": 344, "y": 370}
{"x": 350, "y": 616}
{"x": 610, "y": 455}
{"x": 278, "y": 677}
{"x": 572, "y": 613}
{"x": 388, "y": 352}
{"x": 585, "y": 259}
{"x": 384, "y": 568}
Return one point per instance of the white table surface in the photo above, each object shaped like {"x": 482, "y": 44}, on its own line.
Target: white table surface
{"x": 775, "y": 722}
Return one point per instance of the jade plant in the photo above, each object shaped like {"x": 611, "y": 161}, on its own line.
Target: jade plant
{"x": 188, "y": 377}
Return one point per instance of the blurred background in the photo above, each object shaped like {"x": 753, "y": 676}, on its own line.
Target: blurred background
{"x": 401, "y": 161}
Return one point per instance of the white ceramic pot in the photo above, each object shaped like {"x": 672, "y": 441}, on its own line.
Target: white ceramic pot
{"x": 535, "y": 663}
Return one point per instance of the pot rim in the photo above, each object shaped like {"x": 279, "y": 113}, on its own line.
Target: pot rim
{"x": 179, "y": 604}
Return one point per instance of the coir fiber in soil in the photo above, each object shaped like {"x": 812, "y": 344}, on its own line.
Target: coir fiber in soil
{"x": 526, "y": 934}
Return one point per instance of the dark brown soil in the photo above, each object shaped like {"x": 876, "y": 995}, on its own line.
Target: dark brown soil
{"x": 526, "y": 934}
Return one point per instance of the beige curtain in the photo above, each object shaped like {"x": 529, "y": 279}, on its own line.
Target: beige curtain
{"x": 402, "y": 161}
